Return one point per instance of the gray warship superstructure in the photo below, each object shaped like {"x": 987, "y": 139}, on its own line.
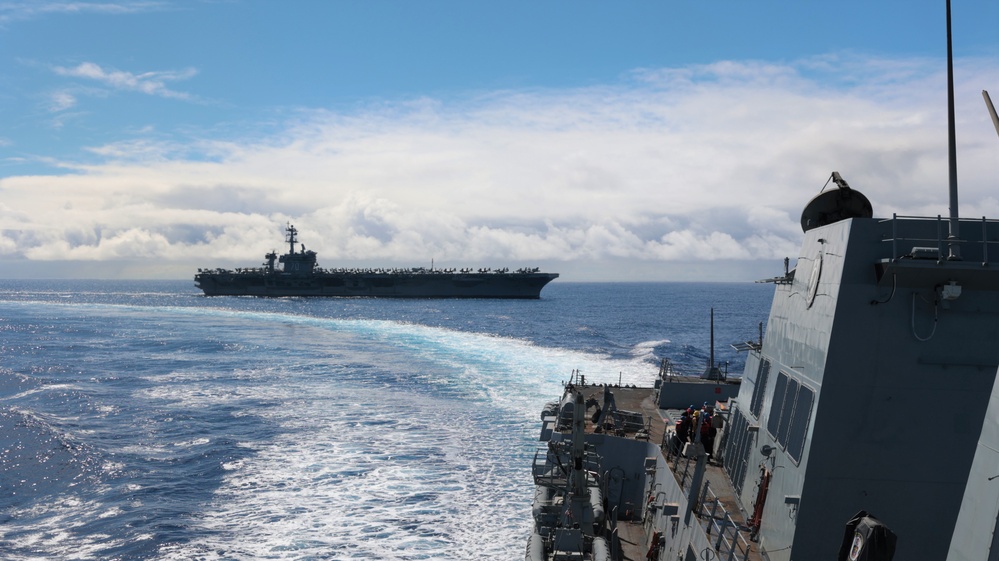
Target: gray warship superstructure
{"x": 299, "y": 276}
{"x": 865, "y": 426}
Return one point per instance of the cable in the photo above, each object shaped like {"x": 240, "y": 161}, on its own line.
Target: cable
{"x": 936, "y": 308}
{"x": 894, "y": 281}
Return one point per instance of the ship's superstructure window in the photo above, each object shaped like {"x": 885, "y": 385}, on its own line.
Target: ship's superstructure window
{"x": 790, "y": 392}
{"x": 789, "y": 414}
{"x": 799, "y": 422}
{"x": 778, "y": 404}
{"x": 756, "y": 404}
{"x": 738, "y": 448}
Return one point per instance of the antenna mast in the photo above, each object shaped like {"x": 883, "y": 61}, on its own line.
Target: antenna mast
{"x": 992, "y": 109}
{"x": 711, "y": 360}
{"x": 954, "y": 250}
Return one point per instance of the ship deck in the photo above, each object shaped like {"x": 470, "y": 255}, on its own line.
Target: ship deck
{"x": 635, "y": 540}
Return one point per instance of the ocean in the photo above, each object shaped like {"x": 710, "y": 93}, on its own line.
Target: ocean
{"x": 142, "y": 420}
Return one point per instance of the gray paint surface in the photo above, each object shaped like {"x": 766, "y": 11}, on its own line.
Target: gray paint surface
{"x": 900, "y": 377}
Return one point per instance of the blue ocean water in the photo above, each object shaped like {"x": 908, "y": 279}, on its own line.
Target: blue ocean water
{"x": 141, "y": 420}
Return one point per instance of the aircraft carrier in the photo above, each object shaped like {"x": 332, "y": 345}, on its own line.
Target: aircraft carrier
{"x": 298, "y": 275}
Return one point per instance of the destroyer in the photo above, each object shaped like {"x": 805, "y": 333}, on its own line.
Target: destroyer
{"x": 866, "y": 423}
{"x": 299, "y": 276}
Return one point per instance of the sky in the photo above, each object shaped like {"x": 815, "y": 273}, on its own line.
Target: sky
{"x": 606, "y": 141}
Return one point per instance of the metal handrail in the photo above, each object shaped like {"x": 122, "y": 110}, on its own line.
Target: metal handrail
{"x": 940, "y": 241}
{"x": 546, "y": 471}
{"x": 737, "y": 543}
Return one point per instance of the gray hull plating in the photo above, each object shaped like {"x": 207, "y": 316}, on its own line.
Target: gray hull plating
{"x": 380, "y": 285}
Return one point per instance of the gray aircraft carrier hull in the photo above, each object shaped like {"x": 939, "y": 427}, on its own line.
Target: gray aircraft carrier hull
{"x": 379, "y": 285}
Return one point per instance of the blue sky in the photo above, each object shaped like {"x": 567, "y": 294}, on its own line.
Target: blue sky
{"x": 603, "y": 140}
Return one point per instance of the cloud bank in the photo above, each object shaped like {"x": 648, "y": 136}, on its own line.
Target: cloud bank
{"x": 688, "y": 165}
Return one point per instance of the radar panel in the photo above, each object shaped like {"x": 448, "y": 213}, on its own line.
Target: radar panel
{"x": 835, "y": 205}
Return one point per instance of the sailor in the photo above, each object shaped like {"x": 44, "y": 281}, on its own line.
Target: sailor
{"x": 708, "y": 434}
{"x": 656, "y": 547}
{"x": 695, "y": 424}
{"x": 682, "y": 432}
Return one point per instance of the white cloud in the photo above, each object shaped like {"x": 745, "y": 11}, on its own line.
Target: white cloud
{"x": 700, "y": 164}
{"x": 61, "y": 101}
{"x": 150, "y": 83}
{"x": 32, "y": 9}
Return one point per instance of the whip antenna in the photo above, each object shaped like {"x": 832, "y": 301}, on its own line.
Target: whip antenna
{"x": 992, "y": 109}
{"x": 954, "y": 250}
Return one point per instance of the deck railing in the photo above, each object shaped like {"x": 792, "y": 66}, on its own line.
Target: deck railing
{"x": 730, "y": 543}
{"x": 551, "y": 465}
{"x": 910, "y": 238}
